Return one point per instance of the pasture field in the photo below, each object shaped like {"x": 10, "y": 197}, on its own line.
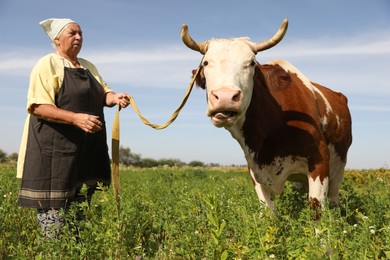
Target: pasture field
{"x": 205, "y": 213}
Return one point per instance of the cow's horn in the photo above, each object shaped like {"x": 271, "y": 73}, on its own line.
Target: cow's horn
{"x": 261, "y": 46}
{"x": 186, "y": 38}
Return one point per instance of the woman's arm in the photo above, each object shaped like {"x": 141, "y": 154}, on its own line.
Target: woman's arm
{"x": 88, "y": 123}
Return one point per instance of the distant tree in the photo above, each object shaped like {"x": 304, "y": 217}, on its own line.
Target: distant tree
{"x": 126, "y": 157}
{"x": 170, "y": 162}
{"x": 3, "y": 156}
{"x": 149, "y": 162}
{"x": 196, "y": 164}
{"x": 214, "y": 164}
{"x": 13, "y": 157}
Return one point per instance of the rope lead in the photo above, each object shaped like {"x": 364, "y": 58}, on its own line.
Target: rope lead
{"x": 116, "y": 135}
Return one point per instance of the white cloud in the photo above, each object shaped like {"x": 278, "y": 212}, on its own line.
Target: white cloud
{"x": 16, "y": 63}
{"x": 165, "y": 54}
{"x": 171, "y": 65}
{"x": 366, "y": 44}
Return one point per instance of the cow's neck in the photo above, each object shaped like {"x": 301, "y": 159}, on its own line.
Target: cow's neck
{"x": 262, "y": 117}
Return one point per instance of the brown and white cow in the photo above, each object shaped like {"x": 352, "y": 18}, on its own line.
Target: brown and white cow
{"x": 288, "y": 126}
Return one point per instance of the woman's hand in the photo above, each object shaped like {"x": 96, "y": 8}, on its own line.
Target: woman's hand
{"x": 88, "y": 123}
{"x": 120, "y": 99}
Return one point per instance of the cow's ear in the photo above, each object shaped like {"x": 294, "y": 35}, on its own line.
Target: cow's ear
{"x": 200, "y": 79}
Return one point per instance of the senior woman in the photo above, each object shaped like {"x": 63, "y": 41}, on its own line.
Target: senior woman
{"x": 64, "y": 143}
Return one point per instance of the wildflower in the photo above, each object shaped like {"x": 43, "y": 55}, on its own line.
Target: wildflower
{"x": 345, "y": 232}
{"x": 5, "y": 196}
{"x": 355, "y": 225}
{"x": 272, "y": 256}
{"x": 372, "y": 231}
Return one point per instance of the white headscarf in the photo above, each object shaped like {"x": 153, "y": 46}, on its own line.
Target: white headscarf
{"x": 54, "y": 26}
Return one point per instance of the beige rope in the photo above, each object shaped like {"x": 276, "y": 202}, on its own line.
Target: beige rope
{"x": 115, "y": 159}
{"x": 116, "y": 134}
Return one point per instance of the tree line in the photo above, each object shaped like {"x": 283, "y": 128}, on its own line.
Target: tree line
{"x": 127, "y": 158}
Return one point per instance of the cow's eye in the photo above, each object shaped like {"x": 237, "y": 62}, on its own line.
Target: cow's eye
{"x": 205, "y": 63}
{"x": 253, "y": 63}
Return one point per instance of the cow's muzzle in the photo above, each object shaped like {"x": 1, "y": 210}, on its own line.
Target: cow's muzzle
{"x": 224, "y": 106}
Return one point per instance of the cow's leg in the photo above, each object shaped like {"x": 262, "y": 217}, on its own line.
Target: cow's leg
{"x": 318, "y": 190}
{"x": 336, "y": 172}
{"x": 318, "y": 184}
{"x": 335, "y": 179}
{"x": 263, "y": 192}
{"x": 319, "y": 176}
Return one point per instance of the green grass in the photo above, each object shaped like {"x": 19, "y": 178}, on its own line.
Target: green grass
{"x": 204, "y": 213}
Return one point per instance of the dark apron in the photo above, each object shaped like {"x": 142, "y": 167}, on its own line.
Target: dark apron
{"x": 61, "y": 157}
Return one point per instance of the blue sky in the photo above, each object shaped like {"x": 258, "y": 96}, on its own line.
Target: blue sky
{"x": 136, "y": 45}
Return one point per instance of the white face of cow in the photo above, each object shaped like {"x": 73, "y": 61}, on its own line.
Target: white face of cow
{"x": 229, "y": 67}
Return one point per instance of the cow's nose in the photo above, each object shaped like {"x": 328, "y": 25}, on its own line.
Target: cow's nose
{"x": 225, "y": 95}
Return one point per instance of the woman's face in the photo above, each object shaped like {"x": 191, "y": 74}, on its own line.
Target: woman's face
{"x": 70, "y": 40}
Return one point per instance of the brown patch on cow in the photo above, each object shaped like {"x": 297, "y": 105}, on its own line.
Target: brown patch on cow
{"x": 280, "y": 127}
{"x": 284, "y": 119}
